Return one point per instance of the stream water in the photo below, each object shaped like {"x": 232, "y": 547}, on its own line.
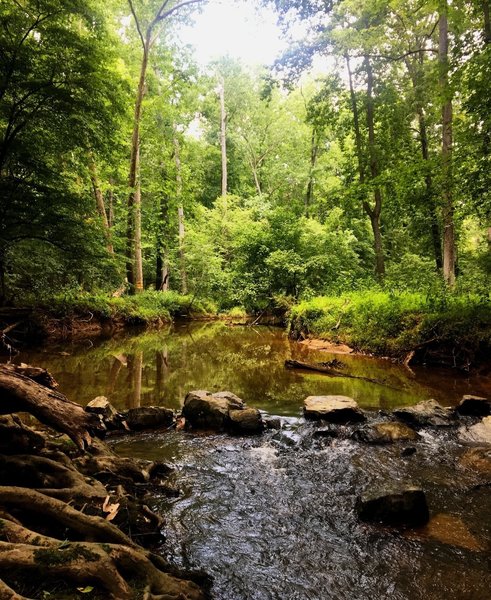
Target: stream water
{"x": 272, "y": 517}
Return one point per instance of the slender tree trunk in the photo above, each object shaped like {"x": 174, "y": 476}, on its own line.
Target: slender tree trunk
{"x": 110, "y": 205}
{"x": 375, "y": 211}
{"x": 356, "y": 123}
{"x": 223, "y": 136}
{"x": 134, "y": 262}
{"x": 487, "y": 21}
{"x": 180, "y": 214}
{"x": 447, "y": 184}
{"x": 101, "y": 207}
{"x": 162, "y": 266}
{"x": 424, "y": 145}
{"x": 314, "y": 149}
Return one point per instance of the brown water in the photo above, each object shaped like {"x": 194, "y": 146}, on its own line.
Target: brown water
{"x": 160, "y": 367}
{"x": 272, "y": 517}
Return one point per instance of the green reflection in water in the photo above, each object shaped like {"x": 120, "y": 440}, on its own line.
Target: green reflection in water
{"x": 160, "y": 367}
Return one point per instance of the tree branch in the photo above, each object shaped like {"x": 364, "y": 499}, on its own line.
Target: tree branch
{"x": 137, "y": 23}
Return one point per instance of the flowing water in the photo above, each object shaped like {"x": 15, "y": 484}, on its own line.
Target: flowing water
{"x": 272, "y": 517}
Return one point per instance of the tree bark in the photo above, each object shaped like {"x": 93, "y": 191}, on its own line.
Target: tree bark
{"x": 375, "y": 211}
{"x": 356, "y": 123}
{"x": 99, "y": 200}
{"x": 487, "y": 21}
{"x": 412, "y": 69}
{"x": 223, "y": 136}
{"x": 314, "y": 149}
{"x": 180, "y": 214}
{"x": 162, "y": 264}
{"x": 21, "y": 394}
{"x": 449, "y": 254}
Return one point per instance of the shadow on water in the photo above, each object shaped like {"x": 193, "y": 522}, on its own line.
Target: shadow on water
{"x": 160, "y": 367}
{"x": 272, "y": 517}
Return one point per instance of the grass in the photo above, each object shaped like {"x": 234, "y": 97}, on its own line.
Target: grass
{"x": 393, "y": 324}
{"x": 147, "y": 307}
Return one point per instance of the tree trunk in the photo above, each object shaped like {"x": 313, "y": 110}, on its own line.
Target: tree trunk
{"x": 99, "y": 200}
{"x": 314, "y": 149}
{"x": 375, "y": 212}
{"x": 134, "y": 261}
{"x": 223, "y": 136}
{"x": 356, "y": 123}
{"x": 19, "y": 393}
{"x": 424, "y": 144}
{"x": 487, "y": 21}
{"x": 447, "y": 183}
{"x": 162, "y": 266}
{"x": 180, "y": 214}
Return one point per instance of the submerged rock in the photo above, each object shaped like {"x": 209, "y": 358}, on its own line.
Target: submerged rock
{"x": 480, "y": 432}
{"x": 334, "y": 409}
{"x": 395, "y": 506}
{"x": 223, "y": 411}
{"x": 426, "y": 414}
{"x": 474, "y": 406}
{"x": 149, "y": 417}
{"x": 386, "y": 433}
{"x": 478, "y": 460}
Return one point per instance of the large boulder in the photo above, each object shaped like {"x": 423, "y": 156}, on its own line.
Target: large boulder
{"x": 405, "y": 505}
{"x": 222, "y": 411}
{"x": 386, "y": 433}
{"x": 334, "y": 409}
{"x": 426, "y": 414}
{"x": 149, "y": 417}
{"x": 479, "y": 433}
{"x": 474, "y": 406}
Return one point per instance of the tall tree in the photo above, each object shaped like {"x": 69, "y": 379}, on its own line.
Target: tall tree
{"x": 148, "y": 32}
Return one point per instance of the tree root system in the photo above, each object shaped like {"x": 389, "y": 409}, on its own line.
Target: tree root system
{"x": 74, "y": 517}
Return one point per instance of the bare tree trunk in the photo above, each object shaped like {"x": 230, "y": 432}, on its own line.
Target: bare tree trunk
{"x": 180, "y": 214}
{"x": 356, "y": 122}
{"x": 101, "y": 207}
{"x": 134, "y": 262}
{"x": 424, "y": 144}
{"x": 223, "y": 135}
{"x": 487, "y": 21}
{"x": 375, "y": 211}
{"x": 162, "y": 266}
{"x": 314, "y": 149}
{"x": 447, "y": 192}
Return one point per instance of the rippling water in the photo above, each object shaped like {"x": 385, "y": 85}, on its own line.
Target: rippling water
{"x": 272, "y": 517}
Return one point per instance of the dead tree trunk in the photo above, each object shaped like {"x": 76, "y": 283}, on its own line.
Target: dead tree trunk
{"x": 19, "y": 393}
{"x": 180, "y": 213}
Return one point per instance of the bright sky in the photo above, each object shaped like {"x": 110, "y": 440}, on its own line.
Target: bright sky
{"x": 238, "y": 28}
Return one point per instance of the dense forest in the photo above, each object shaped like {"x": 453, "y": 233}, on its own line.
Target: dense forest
{"x": 126, "y": 167}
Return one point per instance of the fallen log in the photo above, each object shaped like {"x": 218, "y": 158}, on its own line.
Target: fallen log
{"x": 296, "y": 364}
{"x": 19, "y": 393}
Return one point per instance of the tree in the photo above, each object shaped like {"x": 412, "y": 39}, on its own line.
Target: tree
{"x": 148, "y": 34}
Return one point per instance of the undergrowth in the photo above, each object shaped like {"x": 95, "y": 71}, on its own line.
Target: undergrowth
{"x": 393, "y": 324}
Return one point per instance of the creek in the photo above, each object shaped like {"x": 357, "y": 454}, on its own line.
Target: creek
{"x": 272, "y": 517}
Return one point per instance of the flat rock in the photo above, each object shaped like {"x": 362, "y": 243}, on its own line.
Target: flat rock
{"x": 386, "y": 433}
{"x": 334, "y": 409}
{"x": 110, "y": 416}
{"x": 479, "y": 433}
{"x": 405, "y": 505}
{"x": 426, "y": 414}
{"x": 474, "y": 406}
{"x": 222, "y": 411}
{"x": 149, "y": 417}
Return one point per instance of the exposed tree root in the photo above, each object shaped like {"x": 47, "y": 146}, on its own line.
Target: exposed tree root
{"x": 21, "y": 394}
{"x": 60, "y": 523}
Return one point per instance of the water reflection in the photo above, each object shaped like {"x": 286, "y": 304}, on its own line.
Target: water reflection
{"x": 160, "y": 367}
